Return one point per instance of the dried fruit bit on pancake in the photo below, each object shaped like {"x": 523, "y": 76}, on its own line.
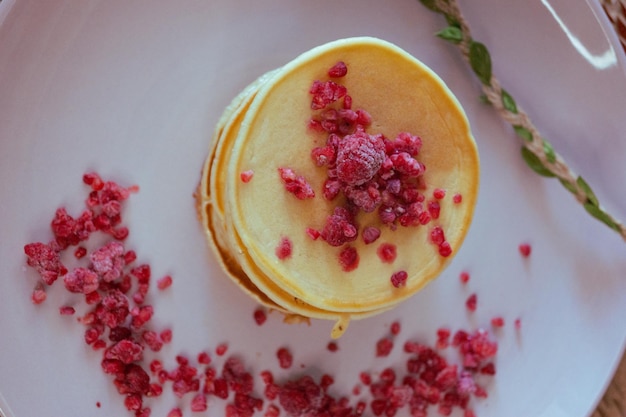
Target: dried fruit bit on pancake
{"x": 349, "y": 259}
{"x": 338, "y": 70}
{"x": 246, "y": 176}
{"x": 296, "y": 184}
{"x": 398, "y": 279}
{"x": 284, "y": 248}
{"x": 340, "y": 227}
{"x": 325, "y": 93}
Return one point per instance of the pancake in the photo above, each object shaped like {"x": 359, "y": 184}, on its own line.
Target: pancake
{"x": 268, "y": 128}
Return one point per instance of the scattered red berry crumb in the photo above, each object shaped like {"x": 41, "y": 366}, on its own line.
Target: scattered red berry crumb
{"x": 457, "y": 198}
{"x": 260, "y": 316}
{"x": 471, "y": 302}
{"x": 285, "y": 358}
{"x": 384, "y": 347}
{"x": 464, "y": 277}
{"x": 164, "y": 282}
{"x": 221, "y": 349}
{"x": 525, "y": 249}
{"x": 246, "y": 176}
{"x": 284, "y": 248}
{"x": 67, "y": 311}
{"x": 332, "y": 347}
{"x": 395, "y": 328}
{"x": 443, "y": 338}
{"x": 497, "y": 321}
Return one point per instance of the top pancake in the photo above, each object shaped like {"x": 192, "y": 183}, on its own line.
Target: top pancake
{"x": 402, "y": 95}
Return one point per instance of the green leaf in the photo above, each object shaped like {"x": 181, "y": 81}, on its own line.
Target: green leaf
{"x": 549, "y": 151}
{"x": 451, "y": 34}
{"x": 591, "y": 196}
{"x": 601, "y": 215}
{"x": 480, "y": 61}
{"x": 569, "y": 186}
{"x": 508, "y": 102}
{"x": 535, "y": 163}
{"x": 523, "y": 133}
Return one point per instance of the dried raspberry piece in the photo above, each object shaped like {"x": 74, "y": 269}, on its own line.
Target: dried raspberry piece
{"x": 437, "y": 235}
{"x": 525, "y": 249}
{"x": 439, "y": 193}
{"x": 331, "y": 189}
{"x": 340, "y": 69}
{"x": 301, "y": 397}
{"x": 296, "y": 184}
{"x": 349, "y": 259}
{"x": 359, "y": 157}
{"x": 81, "y": 280}
{"x": 471, "y": 302}
{"x": 260, "y": 317}
{"x": 94, "y": 180}
{"x": 312, "y": 233}
{"x": 221, "y": 349}
{"x": 443, "y": 338}
{"x": 141, "y": 315}
{"x": 198, "y": 403}
{"x": 366, "y": 197}
{"x": 323, "y": 155}
{"x": 398, "y": 279}
{"x": 284, "y": 248}
{"x": 166, "y": 335}
{"x": 387, "y": 252}
{"x": 405, "y": 142}
{"x": 80, "y": 252}
{"x": 370, "y": 234}
{"x": 38, "y": 295}
{"x": 457, "y": 198}
{"x": 340, "y": 228}
{"x": 497, "y": 321}
{"x": 285, "y": 358}
{"x": 445, "y": 249}
{"x": 405, "y": 164}
{"x": 151, "y": 339}
{"x": 164, "y": 282}
{"x": 134, "y": 380}
{"x": 464, "y": 277}
{"x": 45, "y": 260}
{"x": 113, "y": 309}
{"x": 434, "y": 209}
{"x": 384, "y": 347}
{"x": 325, "y": 93}
{"x": 125, "y": 351}
{"x": 246, "y": 176}
{"x": 332, "y": 347}
{"x": 108, "y": 261}
{"x": 67, "y": 310}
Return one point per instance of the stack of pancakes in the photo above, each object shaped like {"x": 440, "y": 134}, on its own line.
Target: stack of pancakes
{"x": 267, "y": 127}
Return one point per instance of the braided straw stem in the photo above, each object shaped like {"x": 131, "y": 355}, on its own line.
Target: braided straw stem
{"x": 493, "y": 91}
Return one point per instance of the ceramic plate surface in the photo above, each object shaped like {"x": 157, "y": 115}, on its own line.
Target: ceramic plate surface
{"x": 133, "y": 90}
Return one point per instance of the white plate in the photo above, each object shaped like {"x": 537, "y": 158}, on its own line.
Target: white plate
{"x": 133, "y": 90}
